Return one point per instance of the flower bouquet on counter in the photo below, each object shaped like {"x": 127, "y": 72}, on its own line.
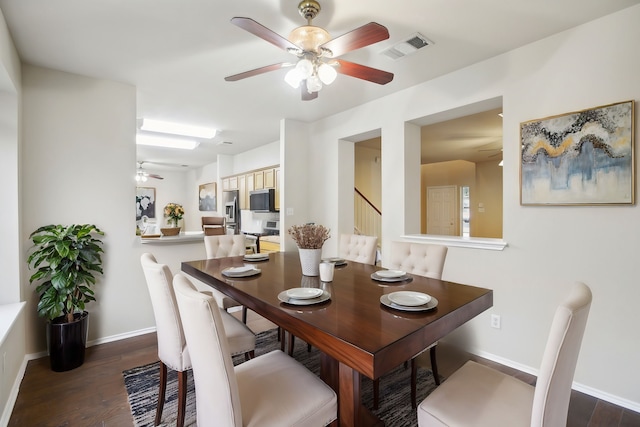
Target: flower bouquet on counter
{"x": 309, "y": 236}
{"x": 174, "y": 212}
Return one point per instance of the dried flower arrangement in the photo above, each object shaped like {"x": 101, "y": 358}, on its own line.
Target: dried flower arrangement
{"x": 309, "y": 236}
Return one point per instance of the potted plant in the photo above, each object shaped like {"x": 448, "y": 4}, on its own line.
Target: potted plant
{"x": 67, "y": 259}
{"x": 309, "y": 238}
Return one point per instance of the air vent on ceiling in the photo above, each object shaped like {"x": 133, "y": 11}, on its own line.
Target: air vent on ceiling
{"x": 407, "y": 47}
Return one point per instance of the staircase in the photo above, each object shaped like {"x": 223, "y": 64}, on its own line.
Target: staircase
{"x": 367, "y": 218}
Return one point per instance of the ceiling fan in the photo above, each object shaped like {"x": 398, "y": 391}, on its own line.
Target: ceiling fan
{"x": 142, "y": 175}
{"x": 317, "y": 52}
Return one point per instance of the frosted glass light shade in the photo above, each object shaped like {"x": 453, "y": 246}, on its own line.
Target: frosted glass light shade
{"x": 327, "y": 73}
{"x": 314, "y": 84}
{"x": 309, "y": 37}
{"x": 293, "y": 78}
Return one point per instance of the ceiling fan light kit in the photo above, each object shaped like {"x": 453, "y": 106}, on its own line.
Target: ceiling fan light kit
{"x": 317, "y": 52}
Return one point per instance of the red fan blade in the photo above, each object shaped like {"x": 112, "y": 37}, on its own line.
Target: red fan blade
{"x": 306, "y": 96}
{"x": 257, "y": 71}
{"x": 363, "y": 72}
{"x": 264, "y": 33}
{"x": 360, "y": 37}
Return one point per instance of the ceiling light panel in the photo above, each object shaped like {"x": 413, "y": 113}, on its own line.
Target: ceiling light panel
{"x": 158, "y": 141}
{"x": 177, "y": 129}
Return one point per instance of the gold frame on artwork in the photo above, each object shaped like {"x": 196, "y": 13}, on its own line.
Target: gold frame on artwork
{"x": 585, "y": 157}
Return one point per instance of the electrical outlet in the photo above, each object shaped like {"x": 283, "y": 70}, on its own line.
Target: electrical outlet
{"x": 495, "y": 321}
{"x": 289, "y": 211}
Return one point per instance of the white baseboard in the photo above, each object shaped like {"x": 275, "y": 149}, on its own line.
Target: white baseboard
{"x": 13, "y": 395}
{"x": 599, "y": 394}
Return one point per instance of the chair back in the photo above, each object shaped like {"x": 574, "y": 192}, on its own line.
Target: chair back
{"x": 553, "y": 387}
{"x": 172, "y": 346}
{"x": 224, "y": 246}
{"x": 418, "y": 258}
{"x": 217, "y": 396}
{"x": 213, "y": 225}
{"x": 358, "y": 248}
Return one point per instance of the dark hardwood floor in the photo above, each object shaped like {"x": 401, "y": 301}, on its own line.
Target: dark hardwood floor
{"x": 94, "y": 394}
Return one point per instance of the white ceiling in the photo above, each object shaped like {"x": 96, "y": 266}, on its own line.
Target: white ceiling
{"x": 177, "y": 53}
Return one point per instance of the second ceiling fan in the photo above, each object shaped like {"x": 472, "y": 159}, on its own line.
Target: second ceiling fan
{"x": 317, "y": 52}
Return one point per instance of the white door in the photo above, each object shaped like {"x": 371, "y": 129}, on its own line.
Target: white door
{"x": 442, "y": 210}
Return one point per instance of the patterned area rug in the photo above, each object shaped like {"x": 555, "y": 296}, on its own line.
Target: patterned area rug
{"x": 395, "y": 391}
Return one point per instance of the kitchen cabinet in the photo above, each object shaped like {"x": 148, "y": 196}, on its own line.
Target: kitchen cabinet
{"x": 255, "y": 180}
{"x": 243, "y": 194}
{"x": 258, "y": 180}
{"x": 269, "y": 178}
{"x": 269, "y": 244}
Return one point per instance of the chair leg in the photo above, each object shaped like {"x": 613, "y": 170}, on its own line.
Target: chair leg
{"x": 308, "y": 348}
{"x": 414, "y": 374}
{"x": 376, "y": 393}
{"x": 292, "y": 339}
{"x": 182, "y": 397}
{"x": 282, "y": 334}
{"x": 161, "y": 390}
{"x": 249, "y": 355}
{"x": 244, "y": 314}
{"x": 434, "y": 365}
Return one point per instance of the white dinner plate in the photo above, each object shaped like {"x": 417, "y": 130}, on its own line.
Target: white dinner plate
{"x": 304, "y": 293}
{"x": 375, "y": 276}
{"x": 282, "y": 296}
{"x": 433, "y": 303}
{"x": 256, "y": 257}
{"x": 390, "y": 274}
{"x": 244, "y": 271}
{"x": 409, "y": 298}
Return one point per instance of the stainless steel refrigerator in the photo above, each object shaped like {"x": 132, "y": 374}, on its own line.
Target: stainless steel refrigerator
{"x": 231, "y": 206}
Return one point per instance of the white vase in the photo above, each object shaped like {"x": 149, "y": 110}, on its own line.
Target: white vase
{"x": 310, "y": 261}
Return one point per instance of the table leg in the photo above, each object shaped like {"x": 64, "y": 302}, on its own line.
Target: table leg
{"x": 346, "y": 383}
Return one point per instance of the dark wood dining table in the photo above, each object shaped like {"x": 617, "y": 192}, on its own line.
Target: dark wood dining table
{"x": 355, "y": 333}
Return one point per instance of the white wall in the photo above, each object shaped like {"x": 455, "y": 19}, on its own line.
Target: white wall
{"x": 548, "y": 247}
{"x": 79, "y": 167}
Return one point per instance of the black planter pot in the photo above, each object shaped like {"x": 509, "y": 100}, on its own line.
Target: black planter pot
{"x": 67, "y": 341}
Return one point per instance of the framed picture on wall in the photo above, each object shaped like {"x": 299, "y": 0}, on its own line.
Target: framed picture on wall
{"x": 145, "y": 203}
{"x": 580, "y": 158}
{"x": 207, "y": 197}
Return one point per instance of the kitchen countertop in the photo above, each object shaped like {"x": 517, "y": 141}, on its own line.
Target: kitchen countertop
{"x": 184, "y": 237}
{"x": 270, "y": 238}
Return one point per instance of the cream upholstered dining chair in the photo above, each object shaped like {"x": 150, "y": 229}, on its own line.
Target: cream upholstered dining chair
{"x": 476, "y": 395}
{"x": 269, "y": 390}
{"x": 220, "y": 247}
{"x": 358, "y": 248}
{"x": 172, "y": 348}
{"x": 422, "y": 260}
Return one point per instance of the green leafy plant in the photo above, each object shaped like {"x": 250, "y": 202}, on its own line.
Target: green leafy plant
{"x": 67, "y": 259}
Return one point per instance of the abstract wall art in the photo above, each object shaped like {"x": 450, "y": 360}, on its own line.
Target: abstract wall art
{"x": 580, "y": 158}
{"x": 207, "y": 197}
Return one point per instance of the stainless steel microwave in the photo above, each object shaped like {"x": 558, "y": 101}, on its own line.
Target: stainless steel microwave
{"x": 263, "y": 200}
